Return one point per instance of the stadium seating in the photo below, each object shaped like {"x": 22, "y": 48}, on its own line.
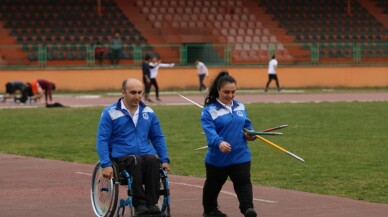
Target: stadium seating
{"x": 382, "y": 4}
{"x": 229, "y": 21}
{"x": 67, "y": 22}
{"x": 69, "y": 26}
{"x": 327, "y": 22}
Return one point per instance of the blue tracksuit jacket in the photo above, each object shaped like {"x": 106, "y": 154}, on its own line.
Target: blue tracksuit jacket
{"x": 117, "y": 135}
{"x": 221, "y": 125}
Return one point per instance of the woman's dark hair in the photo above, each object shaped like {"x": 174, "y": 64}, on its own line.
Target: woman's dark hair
{"x": 222, "y": 78}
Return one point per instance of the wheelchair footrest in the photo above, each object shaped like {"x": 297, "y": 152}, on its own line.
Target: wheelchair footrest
{"x": 122, "y": 205}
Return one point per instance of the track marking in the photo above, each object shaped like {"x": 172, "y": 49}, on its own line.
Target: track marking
{"x": 199, "y": 187}
{"x": 224, "y": 192}
{"x": 82, "y": 173}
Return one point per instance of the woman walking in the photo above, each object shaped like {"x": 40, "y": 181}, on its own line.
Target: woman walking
{"x": 223, "y": 120}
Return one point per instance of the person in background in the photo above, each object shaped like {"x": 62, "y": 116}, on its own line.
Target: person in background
{"x": 223, "y": 120}
{"x": 272, "y": 75}
{"x": 129, "y": 133}
{"x": 3, "y": 61}
{"x": 116, "y": 47}
{"x": 145, "y": 66}
{"x": 48, "y": 87}
{"x": 155, "y": 64}
{"x": 99, "y": 51}
{"x": 36, "y": 91}
{"x": 13, "y": 88}
{"x": 202, "y": 72}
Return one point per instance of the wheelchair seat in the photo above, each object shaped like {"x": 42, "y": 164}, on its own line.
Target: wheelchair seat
{"x": 105, "y": 193}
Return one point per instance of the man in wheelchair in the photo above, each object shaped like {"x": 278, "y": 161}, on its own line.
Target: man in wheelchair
{"x": 129, "y": 133}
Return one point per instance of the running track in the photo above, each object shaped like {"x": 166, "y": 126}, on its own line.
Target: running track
{"x": 41, "y": 187}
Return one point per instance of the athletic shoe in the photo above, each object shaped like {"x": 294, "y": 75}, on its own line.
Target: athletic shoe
{"x": 153, "y": 209}
{"x": 250, "y": 212}
{"x": 141, "y": 210}
{"x": 214, "y": 213}
{"x": 158, "y": 99}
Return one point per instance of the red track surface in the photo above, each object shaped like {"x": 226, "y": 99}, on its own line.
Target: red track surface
{"x": 87, "y": 100}
{"x": 40, "y": 187}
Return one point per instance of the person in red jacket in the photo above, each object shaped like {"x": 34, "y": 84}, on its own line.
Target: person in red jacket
{"x": 99, "y": 51}
{"x": 48, "y": 87}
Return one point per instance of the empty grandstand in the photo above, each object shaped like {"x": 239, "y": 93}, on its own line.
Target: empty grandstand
{"x": 222, "y": 32}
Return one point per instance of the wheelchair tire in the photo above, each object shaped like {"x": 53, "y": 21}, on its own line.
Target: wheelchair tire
{"x": 104, "y": 192}
{"x": 164, "y": 198}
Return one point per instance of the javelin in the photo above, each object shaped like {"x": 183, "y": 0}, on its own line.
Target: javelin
{"x": 191, "y": 101}
{"x": 257, "y": 136}
{"x": 275, "y": 128}
{"x": 279, "y": 148}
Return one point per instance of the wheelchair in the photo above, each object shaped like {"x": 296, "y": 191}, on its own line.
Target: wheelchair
{"x": 105, "y": 193}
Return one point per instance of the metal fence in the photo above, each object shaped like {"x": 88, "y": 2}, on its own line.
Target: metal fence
{"x": 81, "y": 55}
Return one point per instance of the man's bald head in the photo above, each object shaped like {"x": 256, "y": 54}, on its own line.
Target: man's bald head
{"x": 131, "y": 82}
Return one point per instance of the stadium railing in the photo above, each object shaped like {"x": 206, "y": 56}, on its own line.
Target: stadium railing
{"x": 244, "y": 54}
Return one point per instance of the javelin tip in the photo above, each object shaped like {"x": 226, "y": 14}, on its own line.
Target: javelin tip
{"x": 295, "y": 156}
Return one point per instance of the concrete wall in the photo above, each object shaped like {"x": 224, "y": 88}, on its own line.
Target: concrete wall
{"x": 170, "y": 78}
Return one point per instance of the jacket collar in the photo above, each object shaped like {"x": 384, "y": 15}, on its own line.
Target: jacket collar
{"x": 141, "y": 105}
{"x": 219, "y": 105}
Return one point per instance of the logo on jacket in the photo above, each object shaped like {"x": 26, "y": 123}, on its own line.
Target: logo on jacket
{"x": 145, "y": 116}
{"x": 239, "y": 113}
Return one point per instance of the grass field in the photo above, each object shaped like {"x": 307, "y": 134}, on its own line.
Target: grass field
{"x": 344, "y": 144}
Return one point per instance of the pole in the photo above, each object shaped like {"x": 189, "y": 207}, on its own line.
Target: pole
{"x": 257, "y": 136}
{"x": 275, "y": 128}
{"x": 279, "y": 148}
{"x": 191, "y": 101}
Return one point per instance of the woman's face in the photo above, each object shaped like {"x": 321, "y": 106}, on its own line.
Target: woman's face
{"x": 227, "y": 92}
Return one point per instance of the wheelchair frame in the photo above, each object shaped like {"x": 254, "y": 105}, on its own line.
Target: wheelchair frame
{"x": 105, "y": 193}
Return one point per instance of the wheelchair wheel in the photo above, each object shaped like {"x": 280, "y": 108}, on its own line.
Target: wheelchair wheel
{"x": 164, "y": 198}
{"x": 104, "y": 193}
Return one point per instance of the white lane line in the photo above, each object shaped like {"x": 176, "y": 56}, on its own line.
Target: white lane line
{"x": 224, "y": 192}
{"x": 82, "y": 173}
{"x": 199, "y": 187}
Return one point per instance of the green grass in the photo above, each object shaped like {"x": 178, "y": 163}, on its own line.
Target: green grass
{"x": 344, "y": 144}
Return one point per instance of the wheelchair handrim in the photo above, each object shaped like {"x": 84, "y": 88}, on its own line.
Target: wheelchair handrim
{"x": 105, "y": 208}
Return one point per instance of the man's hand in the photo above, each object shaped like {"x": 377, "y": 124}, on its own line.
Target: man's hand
{"x": 107, "y": 172}
{"x": 166, "y": 166}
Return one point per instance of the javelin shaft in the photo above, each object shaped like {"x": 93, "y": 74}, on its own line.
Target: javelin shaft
{"x": 261, "y": 132}
{"x": 275, "y": 128}
{"x": 265, "y": 133}
{"x": 257, "y": 136}
{"x": 190, "y": 101}
{"x": 203, "y": 147}
{"x": 279, "y": 148}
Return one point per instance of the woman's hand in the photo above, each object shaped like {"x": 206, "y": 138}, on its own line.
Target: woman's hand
{"x": 225, "y": 147}
{"x": 250, "y": 137}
